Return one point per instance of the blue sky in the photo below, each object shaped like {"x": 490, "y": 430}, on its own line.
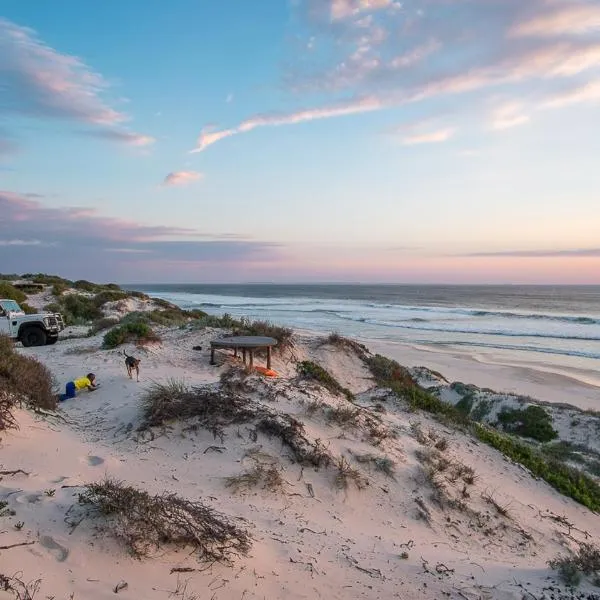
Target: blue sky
{"x": 305, "y": 140}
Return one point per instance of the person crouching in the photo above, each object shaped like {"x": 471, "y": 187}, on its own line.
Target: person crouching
{"x": 73, "y": 387}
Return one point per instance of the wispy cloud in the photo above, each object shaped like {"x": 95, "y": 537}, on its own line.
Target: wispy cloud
{"x": 587, "y": 93}
{"x": 573, "y": 18}
{"x": 361, "y": 105}
{"x": 508, "y": 116}
{"x": 76, "y": 237}
{"x": 40, "y": 82}
{"x": 181, "y": 178}
{"x": 577, "y": 252}
{"x": 126, "y": 137}
{"x": 382, "y": 54}
{"x": 431, "y": 137}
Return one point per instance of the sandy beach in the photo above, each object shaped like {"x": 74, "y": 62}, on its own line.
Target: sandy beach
{"x": 312, "y": 538}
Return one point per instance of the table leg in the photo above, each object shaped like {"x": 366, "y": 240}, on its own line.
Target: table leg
{"x": 244, "y": 354}
{"x": 268, "y": 357}
{"x": 235, "y": 352}
{"x": 251, "y": 358}
{"x": 212, "y": 356}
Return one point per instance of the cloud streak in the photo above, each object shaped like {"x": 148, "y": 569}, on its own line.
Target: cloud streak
{"x": 570, "y": 253}
{"x": 39, "y": 82}
{"x": 432, "y": 137}
{"x": 80, "y": 238}
{"x": 381, "y": 55}
{"x": 181, "y": 178}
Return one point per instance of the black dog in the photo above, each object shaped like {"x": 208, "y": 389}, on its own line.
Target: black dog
{"x": 132, "y": 364}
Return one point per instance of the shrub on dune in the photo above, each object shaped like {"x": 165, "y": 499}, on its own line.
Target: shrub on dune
{"x": 137, "y": 332}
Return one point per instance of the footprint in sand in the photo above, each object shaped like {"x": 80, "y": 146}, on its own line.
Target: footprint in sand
{"x": 29, "y": 498}
{"x": 94, "y": 461}
{"x": 59, "y": 552}
{"x": 59, "y": 479}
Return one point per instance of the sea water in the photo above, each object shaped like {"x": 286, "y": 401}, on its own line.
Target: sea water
{"x": 563, "y": 321}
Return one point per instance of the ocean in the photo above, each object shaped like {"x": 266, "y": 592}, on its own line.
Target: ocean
{"x": 562, "y": 321}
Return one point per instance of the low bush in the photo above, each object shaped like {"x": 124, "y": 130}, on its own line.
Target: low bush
{"x": 10, "y": 292}
{"x": 86, "y": 286}
{"x": 567, "y": 480}
{"x": 137, "y": 332}
{"x": 59, "y": 288}
{"x": 586, "y": 561}
{"x": 101, "y": 298}
{"x": 48, "y": 279}
{"x": 311, "y": 370}
{"x": 387, "y": 371}
{"x": 102, "y": 325}
{"x": 344, "y": 343}
{"x": 75, "y": 309}
{"x": 146, "y": 522}
{"x": 532, "y": 422}
{"x": 214, "y": 408}
{"x": 465, "y": 405}
{"x": 22, "y": 380}
{"x": 384, "y": 464}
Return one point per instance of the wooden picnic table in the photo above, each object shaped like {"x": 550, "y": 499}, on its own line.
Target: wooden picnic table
{"x": 245, "y": 343}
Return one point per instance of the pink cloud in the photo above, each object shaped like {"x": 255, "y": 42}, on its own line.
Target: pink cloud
{"x": 384, "y": 54}
{"x": 573, "y": 18}
{"x": 508, "y": 116}
{"x": 40, "y": 82}
{"x": 431, "y": 137}
{"x": 181, "y": 178}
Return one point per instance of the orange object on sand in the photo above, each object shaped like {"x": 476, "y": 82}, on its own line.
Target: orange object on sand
{"x": 266, "y": 372}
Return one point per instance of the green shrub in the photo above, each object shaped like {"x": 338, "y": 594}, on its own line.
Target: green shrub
{"x": 482, "y": 410}
{"x": 28, "y": 310}
{"x": 85, "y": 286}
{"x": 105, "y": 296}
{"x": 102, "y": 325}
{"x": 533, "y": 422}
{"x": 585, "y": 561}
{"x": 59, "y": 288}
{"x": 9, "y": 277}
{"x": 464, "y": 405}
{"x": 567, "y": 480}
{"x": 78, "y": 310}
{"x": 130, "y": 332}
{"x": 22, "y": 379}
{"x": 9, "y": 292}
{"x": 48, "y": 279}
{"x": 315, "y": 372}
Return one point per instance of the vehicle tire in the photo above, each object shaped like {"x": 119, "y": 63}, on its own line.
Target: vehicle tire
{"x": 51, "y": 340}
{"x": 33, "y": 336}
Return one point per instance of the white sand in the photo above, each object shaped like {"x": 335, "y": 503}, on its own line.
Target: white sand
{"x": 339, "y": 544}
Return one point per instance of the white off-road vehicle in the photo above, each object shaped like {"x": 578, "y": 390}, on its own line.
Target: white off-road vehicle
{"x": 31, "y": 330}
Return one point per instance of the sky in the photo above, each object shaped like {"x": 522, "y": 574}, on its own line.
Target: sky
{"x": 415, "y": 141}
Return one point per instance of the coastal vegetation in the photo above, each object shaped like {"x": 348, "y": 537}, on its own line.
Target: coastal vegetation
{"x": 23, "y": 380}
{"x": 146, "y": 523}
{"x": 566, "y": 479}
{"x": 312, "y": 371}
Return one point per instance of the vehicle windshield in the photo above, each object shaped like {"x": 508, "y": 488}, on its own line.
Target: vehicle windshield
{"x": 10, "y": 306}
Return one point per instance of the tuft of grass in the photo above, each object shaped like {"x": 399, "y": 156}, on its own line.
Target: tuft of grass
{"x": 311, "y": 370}
{"x": 267, "y": 477}
{"x": 144, "y": 522}
{"x": 216, "y": 407}
{"x": 532, "y": 422}
{"x": 586, "y": 561}
{"x": 138, "y": 332}
{"x": 501, "y": 509}
{"x": 344, "y": 416}
{"x": 346, "y": 473}
{"x": 343, "y": 343}
{"x": 22, "y": 379}
{"x": 383, "y": 464}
